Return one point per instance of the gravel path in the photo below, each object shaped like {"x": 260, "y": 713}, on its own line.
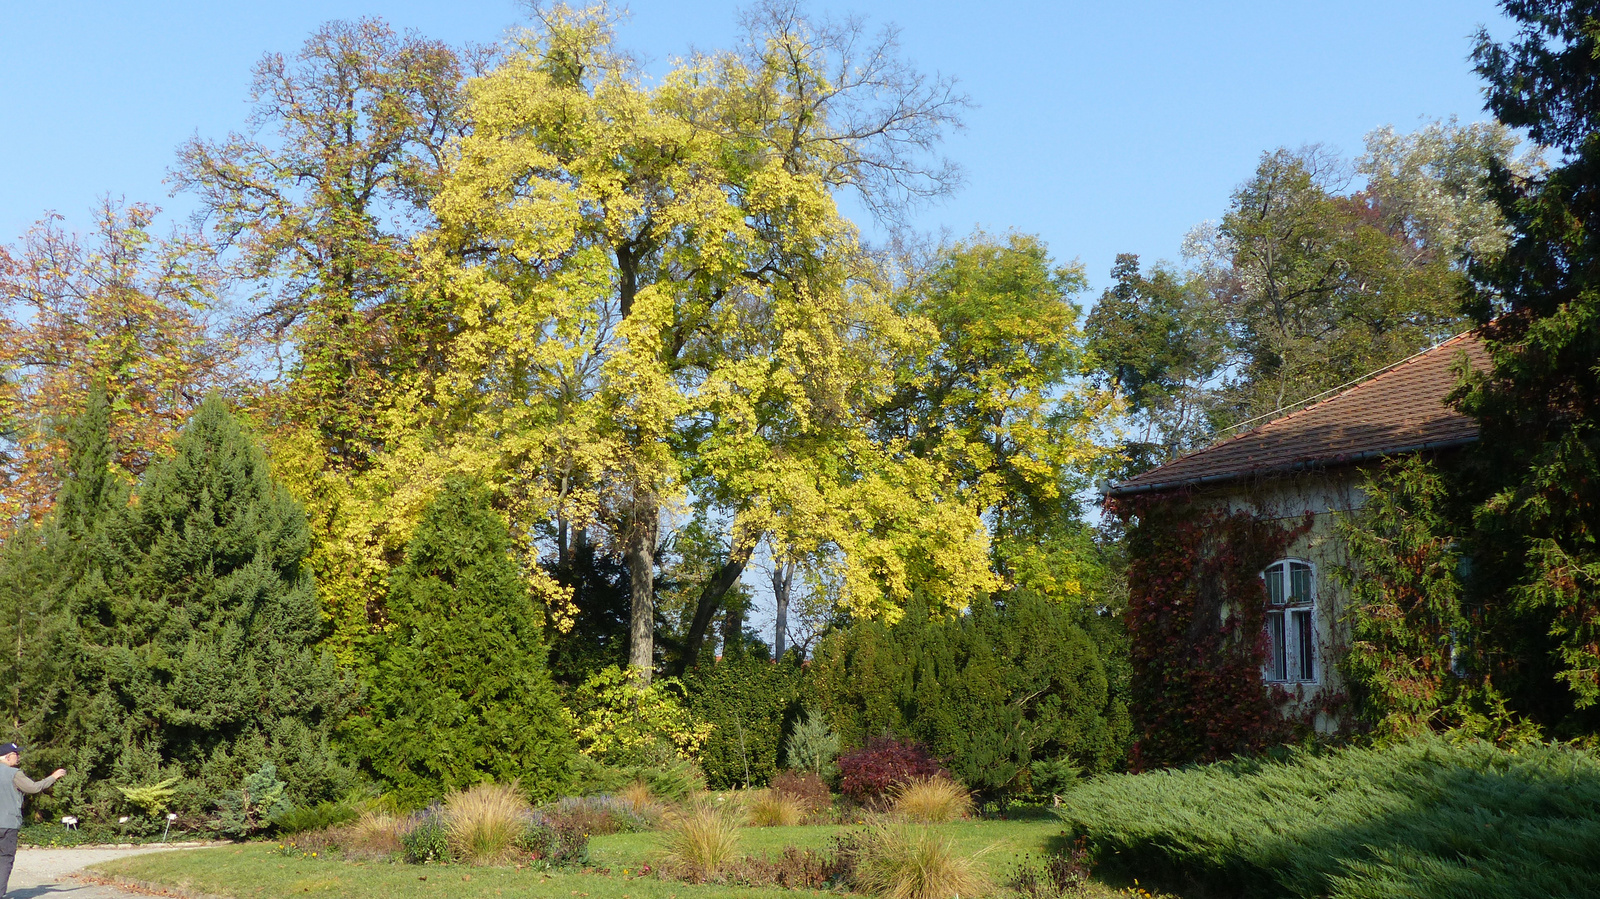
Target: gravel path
{"x": 45, "y": 873}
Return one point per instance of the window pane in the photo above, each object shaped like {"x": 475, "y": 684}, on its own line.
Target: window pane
{"x": 1299, "y": 582}
{"x": 1277, "y": 659}
{"x": 1306, "y": 647}
{"x": 1275, "y": 584}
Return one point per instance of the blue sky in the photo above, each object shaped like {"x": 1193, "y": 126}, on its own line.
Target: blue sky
{"x": 1103, "y": 127}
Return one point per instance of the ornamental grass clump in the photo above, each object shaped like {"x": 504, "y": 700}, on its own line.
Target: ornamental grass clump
{"x": 485, "y": 823}
{"x": 699, "y": 844}
{"x": 932, "y": 800}
{"x": 903, "y": 861}
{"x": 770, "y": 808}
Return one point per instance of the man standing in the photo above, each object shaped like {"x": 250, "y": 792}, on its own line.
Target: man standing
{"x": 13, "y": 784}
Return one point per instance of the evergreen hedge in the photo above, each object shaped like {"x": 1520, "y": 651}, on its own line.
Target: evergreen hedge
{"x": 1015, "y": 681}
{"x": 751, "y": 701}
{"x": 1425, "y": 818}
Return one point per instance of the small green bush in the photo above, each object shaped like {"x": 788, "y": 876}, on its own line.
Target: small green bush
{"x": 303, "y": 818}
{"x": 1427, "y": 817}
{"x": 674, "y": 782}
{"x": 812, "y": 746}
{"x": 427, "y": 842}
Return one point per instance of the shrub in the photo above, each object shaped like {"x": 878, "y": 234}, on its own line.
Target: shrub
{"x": 932, "y": 800}
{"x": 622, "y": 722}
{"x": 1422, "y": 818}
{"x": 812, "y": 746}
{"x": 747, "y": 699}
{"x": 427, "y": 841}
{"x": 555, "y": 843}
{"x": 1058, "y": 875}
{"x": 323, "y": 815}
{"x": 803, "y": 787}
{"x": 259, "y": 799}
{"x": 698, "y": 844}
{"x": 672, "y": 782}
{"x": 769, "y": 808}
{"x": 1021, "y": 678}
{"x": 485, "y": 822}
{"x": 871, "y": 775}
{"x": 899, "y": 861}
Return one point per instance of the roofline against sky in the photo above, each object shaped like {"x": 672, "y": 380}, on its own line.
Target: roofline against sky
{"x": 1307, "y": 465}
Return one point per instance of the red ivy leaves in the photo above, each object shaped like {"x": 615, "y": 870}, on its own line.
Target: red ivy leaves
{"x": 1196, "y": 626}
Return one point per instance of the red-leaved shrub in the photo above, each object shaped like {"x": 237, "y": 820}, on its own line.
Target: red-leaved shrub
{"x": 870, "y": 775}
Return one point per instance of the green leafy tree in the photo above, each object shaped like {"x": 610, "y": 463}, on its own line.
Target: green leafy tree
{"x": 460, "y": 692}
{"x": 1536, "y": 549}
{"x": 1160, "y": 339}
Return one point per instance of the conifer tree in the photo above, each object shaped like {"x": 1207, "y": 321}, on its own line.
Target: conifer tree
{"x": 198, "y": 630}
{"x": 460, "y": 691}
{"x": 1537, "y": 548}
{"x": 40, "y": 566}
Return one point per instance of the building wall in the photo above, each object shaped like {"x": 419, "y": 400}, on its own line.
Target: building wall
{"x": 1329, "y": 495}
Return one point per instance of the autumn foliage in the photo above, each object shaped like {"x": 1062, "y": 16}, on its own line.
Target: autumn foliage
{"x": 1196, "y": 626}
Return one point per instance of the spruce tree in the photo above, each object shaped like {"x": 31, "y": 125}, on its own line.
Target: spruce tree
{"x": 199, "y": 630}
{"x": 460, "y": 689}
{"x": 1536, "y": 547}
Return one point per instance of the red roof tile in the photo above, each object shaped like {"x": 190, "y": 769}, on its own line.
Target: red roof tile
{"x": 1399, "y": 409}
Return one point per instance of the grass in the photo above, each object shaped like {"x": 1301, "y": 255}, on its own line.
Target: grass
{"x": 932, "y": 800}
{"x": 699, "y": 843}
{"x": 769, "y": 808}
{"x": 907, "y": 861}
{"x": 256, "y": 871}
{"x": 1011, "y": 842}
{"x": 485, "y": 822}
{"x": 1428, "y": 817}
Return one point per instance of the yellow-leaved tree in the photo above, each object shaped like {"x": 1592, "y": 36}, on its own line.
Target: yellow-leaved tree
{"x": 661, "y": 304}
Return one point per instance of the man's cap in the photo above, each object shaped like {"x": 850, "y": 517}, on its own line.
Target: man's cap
{"x": 8, "y": 748}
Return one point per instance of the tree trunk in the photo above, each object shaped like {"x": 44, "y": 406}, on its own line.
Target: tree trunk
{"x": 641, "y": 558}
{"x": 711, "y": 600}
{"x": 782, "y": 579}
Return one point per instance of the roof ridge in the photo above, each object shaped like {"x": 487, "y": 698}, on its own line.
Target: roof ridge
{"x": 1269, "y": 430}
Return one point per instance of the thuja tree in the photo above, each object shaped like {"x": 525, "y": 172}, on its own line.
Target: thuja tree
{"x": 460, "y": 692}
{"x": 196, "y": 632}
{"x": 750, "y": 700}
{"x": 1197, "y": 631}
{"x": 1537, "y": 544}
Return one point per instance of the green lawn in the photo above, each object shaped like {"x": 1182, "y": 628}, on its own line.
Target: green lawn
{"x": 256, "y": 871}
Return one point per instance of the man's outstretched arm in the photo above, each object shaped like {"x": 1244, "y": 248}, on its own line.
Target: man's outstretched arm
{"x": 30, "y": 786}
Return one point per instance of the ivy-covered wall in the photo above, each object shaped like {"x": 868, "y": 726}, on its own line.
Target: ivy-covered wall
{"x": 1197, "y": 613}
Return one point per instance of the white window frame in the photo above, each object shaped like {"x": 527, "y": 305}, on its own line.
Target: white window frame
{"x": 1293, "y": 650}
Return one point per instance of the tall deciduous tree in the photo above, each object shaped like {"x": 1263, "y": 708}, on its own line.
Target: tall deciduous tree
{"x": 122, "y": 308}
{"x": 657, "y": 289}
{"x": 1160, "y": 339}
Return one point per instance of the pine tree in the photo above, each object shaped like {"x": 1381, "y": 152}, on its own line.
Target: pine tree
{"x": 460, "y": 689}
{"x": 199, "y": 630}
{"x": 1536, "y": 550}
